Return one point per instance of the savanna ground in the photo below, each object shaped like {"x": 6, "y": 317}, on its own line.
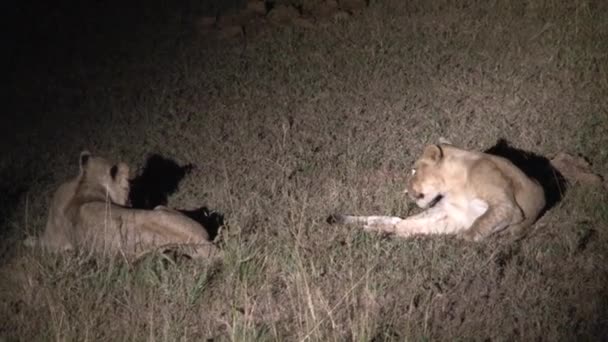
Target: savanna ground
{"x": 286, "y": 128}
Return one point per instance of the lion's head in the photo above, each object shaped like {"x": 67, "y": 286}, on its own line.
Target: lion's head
{"x": 111, "y": 179}
{"x": 425, "y": 182}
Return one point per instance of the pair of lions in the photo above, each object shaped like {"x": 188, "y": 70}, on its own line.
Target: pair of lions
{"x": 471, "y": 194}
{"x": 91, "y": 211}
{"x": 467, "y": 193}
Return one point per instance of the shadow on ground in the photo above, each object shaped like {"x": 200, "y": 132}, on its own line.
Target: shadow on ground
{"x": 536, "y": 167}
{"x": 159, "y": 179}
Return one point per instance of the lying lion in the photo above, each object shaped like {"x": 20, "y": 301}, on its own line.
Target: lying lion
{"x": 91, "y": 211}
{"x": 471, "y": 194}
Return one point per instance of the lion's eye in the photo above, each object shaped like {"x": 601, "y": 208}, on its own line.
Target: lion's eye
{"x": 113, "y": 171}
{"x": 413, "y": 172}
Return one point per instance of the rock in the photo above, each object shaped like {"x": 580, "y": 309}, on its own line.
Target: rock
{"x": 576, "y": 169}
{"x": 253, "y": 19}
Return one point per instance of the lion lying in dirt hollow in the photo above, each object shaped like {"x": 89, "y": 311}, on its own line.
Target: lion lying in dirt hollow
{"x": 91, "y": 211}
{"x": 467, "y": 193}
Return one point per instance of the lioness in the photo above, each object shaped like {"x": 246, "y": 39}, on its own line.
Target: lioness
{"x": 91, "y": 211}
{"x": 471, "y": 194}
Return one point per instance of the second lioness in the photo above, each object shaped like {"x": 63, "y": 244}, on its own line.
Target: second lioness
{"x": 90, "y": 211}
{"x": 471, "y": 194}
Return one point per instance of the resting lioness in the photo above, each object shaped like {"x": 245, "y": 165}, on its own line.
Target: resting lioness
{"x": 91, "y": 211}
{"x": 471, "y": 194}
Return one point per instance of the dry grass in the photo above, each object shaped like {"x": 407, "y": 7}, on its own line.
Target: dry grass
{"x": 290, "y": 127}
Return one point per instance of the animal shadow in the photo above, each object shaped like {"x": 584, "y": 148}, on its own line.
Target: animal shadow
{"x": 158, "y": 180}
{"x": 211, "y": 220}
{"x": 534, "y": 166}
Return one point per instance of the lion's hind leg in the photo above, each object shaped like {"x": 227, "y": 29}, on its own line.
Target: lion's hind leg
{"x": 168, "y": 229}
{"x": 496, "y": 218}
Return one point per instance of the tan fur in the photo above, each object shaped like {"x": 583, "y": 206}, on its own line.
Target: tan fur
{"x": 480, "y": 194}
{"x": 91, "y": 211}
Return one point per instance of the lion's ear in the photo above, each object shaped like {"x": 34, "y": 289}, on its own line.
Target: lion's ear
{"x": 433, "y": 153}
{"x": 84, "y": 159}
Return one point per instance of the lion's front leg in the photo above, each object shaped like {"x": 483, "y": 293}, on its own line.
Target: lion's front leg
{"x": 384, "y": 224}
{"x": 431, "y": 221}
